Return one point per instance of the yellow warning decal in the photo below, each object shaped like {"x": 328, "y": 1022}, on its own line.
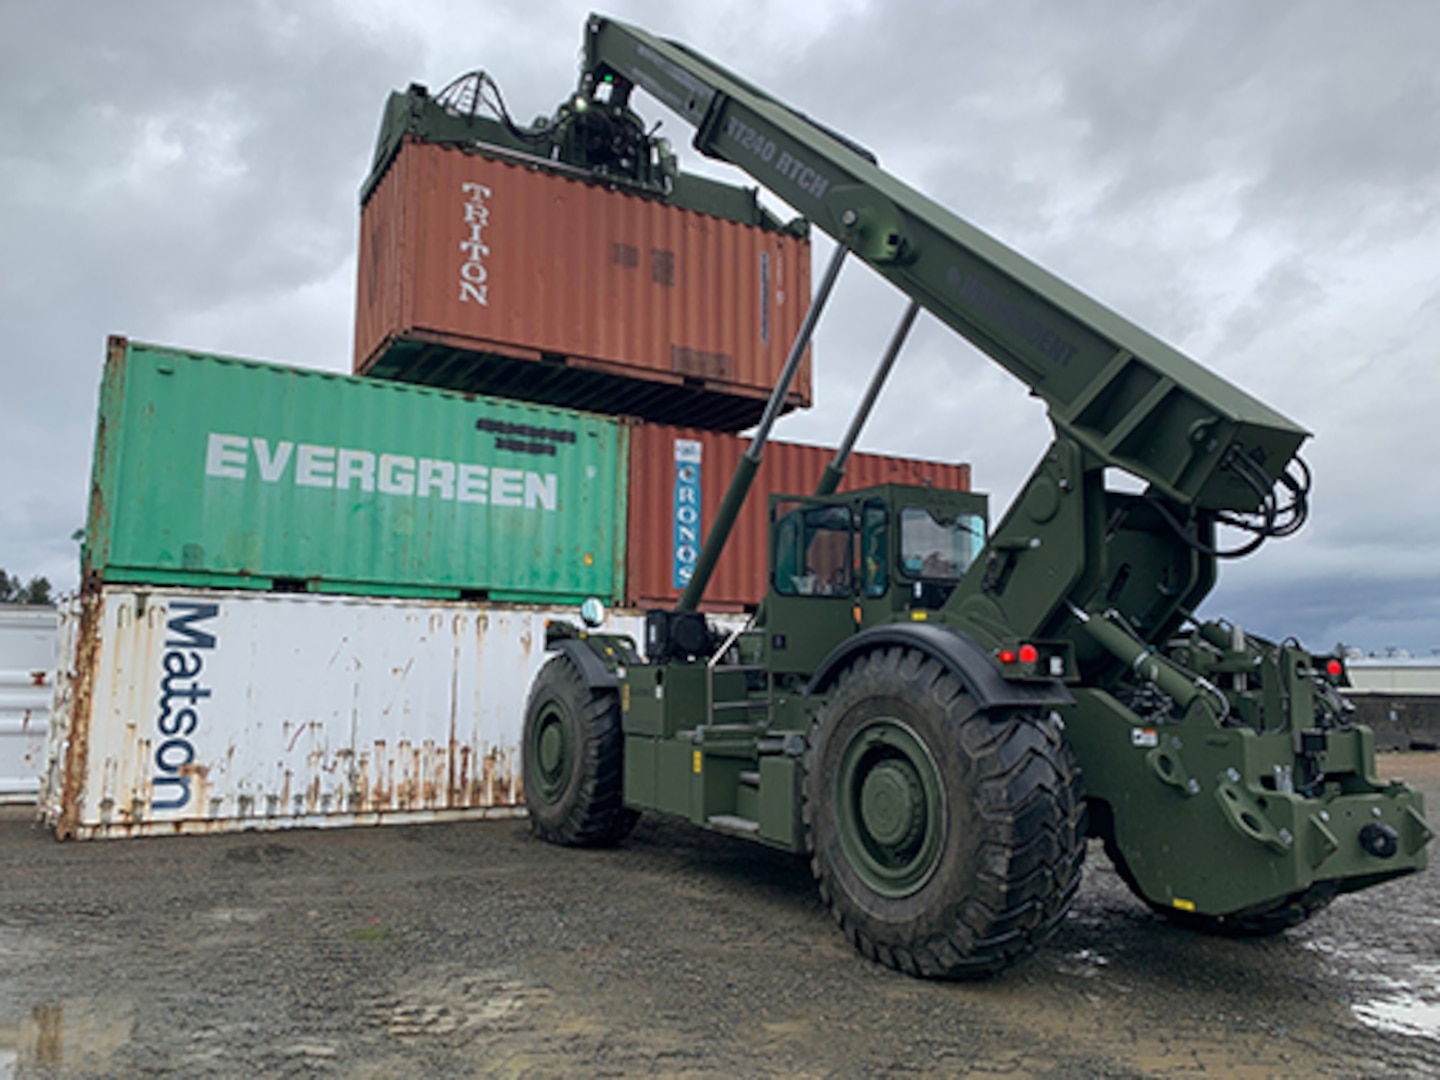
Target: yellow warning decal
{"x": 697, "y": 769}
{"x": 919, "y": 616}
{"x": 1184, "y": 905}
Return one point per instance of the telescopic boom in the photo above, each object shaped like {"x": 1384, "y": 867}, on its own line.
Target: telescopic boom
{"x": 1126, "y": 397}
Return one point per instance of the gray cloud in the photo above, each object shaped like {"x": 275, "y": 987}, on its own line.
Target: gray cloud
{"x": 1255, "y": 183}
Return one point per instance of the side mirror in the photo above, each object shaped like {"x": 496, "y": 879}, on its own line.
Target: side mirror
{"x": 592, "y": 612}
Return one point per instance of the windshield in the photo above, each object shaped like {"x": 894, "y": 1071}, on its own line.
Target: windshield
{"x": 939, "y": 549}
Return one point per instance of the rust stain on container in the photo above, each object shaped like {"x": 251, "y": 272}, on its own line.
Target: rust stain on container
{"x": 199, "y": 777}
{"x": 462, "y": 788}
{"x": 379, "y": 793}
{"x": 741, "y": 575}
{"x": 492, "y": 277}
{"x": 81, "y": 678}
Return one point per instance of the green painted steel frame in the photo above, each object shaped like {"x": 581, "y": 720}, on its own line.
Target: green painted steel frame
{"x": 1203, "y": 808}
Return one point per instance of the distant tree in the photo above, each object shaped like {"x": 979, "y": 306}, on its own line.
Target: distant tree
{"x": 37, "y": 591}
{"x": 15, "y": 591}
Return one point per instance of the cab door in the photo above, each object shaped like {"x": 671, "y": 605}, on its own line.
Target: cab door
{"x": 813, "y": 585}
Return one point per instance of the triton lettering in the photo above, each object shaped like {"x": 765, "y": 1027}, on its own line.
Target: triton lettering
{"x": 473, "y": 275}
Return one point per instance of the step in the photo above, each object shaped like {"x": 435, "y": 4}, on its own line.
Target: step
{"x": 750, "y": 777}
{"x": 730, "y": 823}
{"x": 720, "y": 731}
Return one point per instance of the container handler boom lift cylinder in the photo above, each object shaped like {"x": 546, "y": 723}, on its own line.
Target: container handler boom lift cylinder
{"x": 835, "y": 471}
{"x": 919, "y": 696}
{"x": 750, "y": 460}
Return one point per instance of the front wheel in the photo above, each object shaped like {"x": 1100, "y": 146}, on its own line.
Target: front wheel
{"x": 947, "y": 840}
{"x": 571, "y": 760}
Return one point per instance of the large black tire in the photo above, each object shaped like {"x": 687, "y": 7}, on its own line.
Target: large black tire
{"x": 1263, "y": 920}
{"x": 571, "y": 760}
{"x": 946, "y": 840}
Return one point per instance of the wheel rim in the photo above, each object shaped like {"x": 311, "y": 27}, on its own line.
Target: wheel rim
{"x": 890, "y": 808}
{"x": 551, "y": 752}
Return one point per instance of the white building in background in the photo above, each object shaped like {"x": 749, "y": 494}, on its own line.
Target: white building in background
{"x": 27, "y": 683}
{"x": 1399, "y": 697}
{"x": 1395, "y": 674}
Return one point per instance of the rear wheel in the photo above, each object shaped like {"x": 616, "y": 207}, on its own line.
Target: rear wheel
{"x": 947, "y": 840}
{"x": 571, "y": 760}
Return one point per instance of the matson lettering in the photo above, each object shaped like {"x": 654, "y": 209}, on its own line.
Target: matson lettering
{"x": 182, "y": 699}
{"x": 473, "y": 275}
{"x": 343, "y": 469}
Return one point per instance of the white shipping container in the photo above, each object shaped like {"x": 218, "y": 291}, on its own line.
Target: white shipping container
{"x": 1417, "y": 676}
{"x": 204, "y": 711}
{"x": 27, "y": 679}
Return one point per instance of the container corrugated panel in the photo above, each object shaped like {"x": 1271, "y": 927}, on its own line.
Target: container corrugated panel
{"x": 212, "y": 471}
{"x": 673, "y": 470}
{"x": 27, "y": 663}
{"x": 24, "y": 728}
{"x": 208, "y": 711}
{"x": 487, "y": 276}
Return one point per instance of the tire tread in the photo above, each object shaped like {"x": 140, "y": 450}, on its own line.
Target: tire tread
{"x": 1031, "y": 810}
{"x": 595, "y": 814}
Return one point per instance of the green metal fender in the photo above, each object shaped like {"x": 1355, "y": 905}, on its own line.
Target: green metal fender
{"x": 586, "y": 655}
{"x": 960, "y": 654}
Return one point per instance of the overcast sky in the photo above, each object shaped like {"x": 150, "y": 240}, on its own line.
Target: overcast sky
{"x": 1258, "y": 184}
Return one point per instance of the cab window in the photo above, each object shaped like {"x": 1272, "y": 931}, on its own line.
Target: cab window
{"x": 936, "y": 549}
{"x": 814, "y": 553}
{"x": 874, "y": 542}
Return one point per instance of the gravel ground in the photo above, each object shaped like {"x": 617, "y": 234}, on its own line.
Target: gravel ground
{"x": 470, "y": 950}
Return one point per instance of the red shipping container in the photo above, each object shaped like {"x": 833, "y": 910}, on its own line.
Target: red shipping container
{"x": 486, "y": 276}
{"x": 740, "y": 578}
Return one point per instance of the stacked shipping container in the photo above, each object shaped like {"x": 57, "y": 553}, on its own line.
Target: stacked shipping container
{"x": 195, "y": 710}
{"x": 498, "y": 278}
{"x": 212, "y": 471}
{"x": 183, "y": 708}
{"x": 209, "y": 682}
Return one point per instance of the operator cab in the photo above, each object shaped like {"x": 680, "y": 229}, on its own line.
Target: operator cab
{"x": 839, "y": 563}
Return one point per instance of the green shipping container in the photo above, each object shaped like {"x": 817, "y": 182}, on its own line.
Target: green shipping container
{"x": 213, "y": 471}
